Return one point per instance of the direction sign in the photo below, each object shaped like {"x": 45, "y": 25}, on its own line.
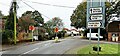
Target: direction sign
{"x": 96, "y": 10}
{"x": 94, "y": 24}
{"x": 96, "y": 17}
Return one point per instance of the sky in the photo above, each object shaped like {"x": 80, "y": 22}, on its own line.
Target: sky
{"x": 49, "y": 11}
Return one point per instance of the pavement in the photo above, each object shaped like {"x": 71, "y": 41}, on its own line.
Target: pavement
{"x": 8, "y": 47}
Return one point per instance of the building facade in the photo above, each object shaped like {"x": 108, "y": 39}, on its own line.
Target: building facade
{"x": 113, "y": 30}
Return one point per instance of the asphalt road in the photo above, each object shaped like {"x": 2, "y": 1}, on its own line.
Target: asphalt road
{"x": 49, "y": 47}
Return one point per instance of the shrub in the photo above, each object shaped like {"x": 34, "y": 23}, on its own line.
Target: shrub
{"x": 7, "y": 36}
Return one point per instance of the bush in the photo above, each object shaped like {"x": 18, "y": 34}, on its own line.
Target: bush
{"x": 7, "y": 36}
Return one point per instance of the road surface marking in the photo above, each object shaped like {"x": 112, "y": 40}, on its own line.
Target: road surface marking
{"x": 1, "y": 53}
{"x": 30, "y": 50}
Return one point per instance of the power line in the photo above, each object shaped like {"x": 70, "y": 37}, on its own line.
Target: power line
{"x": 28, "y": 5}
{"x": 34, "y": 9}
{"x": 52, "y": 5}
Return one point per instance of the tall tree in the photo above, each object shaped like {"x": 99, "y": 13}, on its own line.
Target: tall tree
{"x": 30, "y": 18}
{"x": 1, "y": 15}
{"x": 78, "y": 17}
{"x": 117, "y": 8}
{"x": 24, "y": 22}
{"x": 37, "y": 17}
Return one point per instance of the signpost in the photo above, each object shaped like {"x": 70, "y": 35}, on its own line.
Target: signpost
{"x": 31, "y": 28}
{"x": 95, "y": 16}
{"x": 56, "y": 30}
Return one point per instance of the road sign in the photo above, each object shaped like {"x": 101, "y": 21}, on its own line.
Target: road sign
{"x": 31, "y": 27}
{"x": 56, "y": 29}
{"x": 94, "y": 24}
{"x": 96, "y": 17}
{"x": 96, "y": 10}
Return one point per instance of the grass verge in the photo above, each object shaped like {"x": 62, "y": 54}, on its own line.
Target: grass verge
{"x": 106, "y": 49}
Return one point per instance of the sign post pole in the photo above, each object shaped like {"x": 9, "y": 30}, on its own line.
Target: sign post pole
{"x": 98, "y": 40}
{"x": 90, "y": 41}
{"x": 95, "y": 18}
{"x": 56, "y": 38}
{"x": 31, "y": 28}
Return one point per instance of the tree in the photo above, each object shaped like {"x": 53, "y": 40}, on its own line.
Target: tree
{"x": 51, "y": 24}
{"x": 30, "y": 18}
{"x": 117, "y": 8}
{"x": 78, "y": 17}
{"x": 37, "y": 17}
{"x": 24, "y": 22}
{"x": 107, "y": 11}
{"x": 55, "y": 22}
{"x": 1, "y": 15}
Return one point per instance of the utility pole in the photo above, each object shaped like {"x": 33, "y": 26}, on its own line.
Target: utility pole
{"x": 14, "y": 13}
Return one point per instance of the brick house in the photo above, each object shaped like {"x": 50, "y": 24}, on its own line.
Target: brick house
{"x": 113, "y": 30}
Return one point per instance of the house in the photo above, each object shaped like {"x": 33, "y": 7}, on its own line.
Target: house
{"x": 113, "y": 30}
{"x": 2, "y": 24}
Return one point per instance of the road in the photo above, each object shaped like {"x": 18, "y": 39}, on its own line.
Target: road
{"x": 49, "y": 47}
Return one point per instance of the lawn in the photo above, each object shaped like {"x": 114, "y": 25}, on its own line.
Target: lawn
{"x": 106, "y": 49}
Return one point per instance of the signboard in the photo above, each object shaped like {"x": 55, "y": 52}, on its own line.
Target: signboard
{"x": 96, "y": 10}
{"x": 96, "y": 17}
{"x": 56, "y": 29}
{"x": 31, "y": 27}
{"x": 94, "y": 24}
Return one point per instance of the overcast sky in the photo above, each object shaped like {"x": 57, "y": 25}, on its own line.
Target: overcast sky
{"x": 49, "y": 11}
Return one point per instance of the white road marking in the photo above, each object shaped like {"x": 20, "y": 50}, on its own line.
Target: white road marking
{"x": 1, "y": 53}
{"x": 30, "y": 50}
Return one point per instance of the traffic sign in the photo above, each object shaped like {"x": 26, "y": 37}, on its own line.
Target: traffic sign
{"x": 96, "y": 10}
{"x": 94, "y": 24}
{"x": 96, "y": 17}
{"x": 56, "y": 29}
{"x": 31, "y": 27}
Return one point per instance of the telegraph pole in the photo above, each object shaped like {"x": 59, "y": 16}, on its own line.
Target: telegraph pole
{"x": 14, "y": 13}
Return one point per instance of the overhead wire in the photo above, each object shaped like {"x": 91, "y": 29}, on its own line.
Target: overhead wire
{"x": 52, "y": 5}
{"x": 34, "y": 9}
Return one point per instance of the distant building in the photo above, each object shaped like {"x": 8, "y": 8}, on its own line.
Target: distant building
{"x": 2, "y": 24}
{"x": 113, "y": 30}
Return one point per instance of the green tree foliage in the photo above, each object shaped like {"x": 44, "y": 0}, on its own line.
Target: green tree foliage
{"x": 107, "y": 11}
{"x": 1, "y": 15}
{"x": 7, "y": 34}
{"x": 117, "y": 8}
{"x": 78, "y": 17}
{"x": 24, "y": 22}
{"x": 37, "y": 17}
{"x": 30, "y": 18}
{"x": 55, "y": 22}
{"x": 51, "y": 24}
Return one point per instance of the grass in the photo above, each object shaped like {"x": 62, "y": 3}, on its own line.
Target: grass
{"x": 105, "y": 49}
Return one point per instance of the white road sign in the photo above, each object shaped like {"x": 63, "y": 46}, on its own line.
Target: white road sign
{"x": 94, "y": 24}
{"x": 97, "y": 10}
{"x": 96, "y": 17}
